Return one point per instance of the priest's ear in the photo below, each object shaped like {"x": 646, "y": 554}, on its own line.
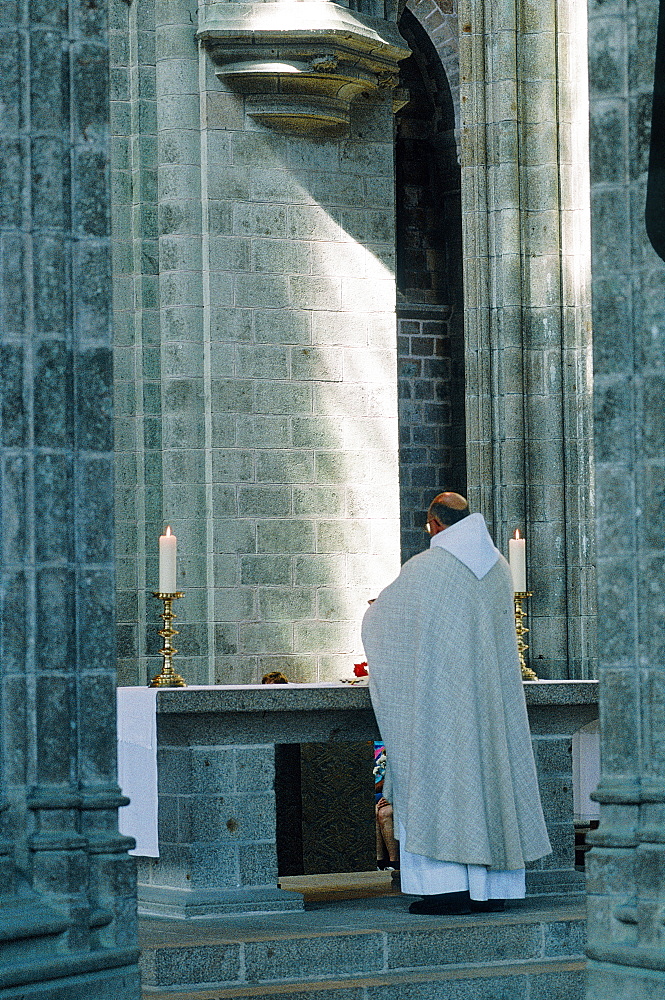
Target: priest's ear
{"x": 433, "y": 526}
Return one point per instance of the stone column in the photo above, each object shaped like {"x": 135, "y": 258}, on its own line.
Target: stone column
{"x": 528, "y": 403}
{"x": 136, "y": 348}
{"x": 625, "y": 867}
{"x": 67, "y": 886}
{"x": 182, "y": 472}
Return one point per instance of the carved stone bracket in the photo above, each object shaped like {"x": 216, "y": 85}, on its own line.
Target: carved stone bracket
{"x": 301, "y": 64}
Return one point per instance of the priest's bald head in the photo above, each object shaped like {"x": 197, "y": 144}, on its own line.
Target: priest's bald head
{"x": 444, "y": 510}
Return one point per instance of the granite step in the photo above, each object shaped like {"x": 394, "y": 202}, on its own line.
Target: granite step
{"x": 560, "y": 979}
{"x": 370, "y": 949}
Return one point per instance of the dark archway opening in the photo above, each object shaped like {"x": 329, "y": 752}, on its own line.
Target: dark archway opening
{"x": 430, "y": 300}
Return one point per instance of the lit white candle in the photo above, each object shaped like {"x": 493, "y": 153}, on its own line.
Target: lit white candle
{"x": 517, "y": 559}
{"x": 168, "y": 550}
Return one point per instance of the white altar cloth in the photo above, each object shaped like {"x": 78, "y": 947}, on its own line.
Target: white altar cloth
{"x": 137, "y": 767}
{"x": 586, "y": 772}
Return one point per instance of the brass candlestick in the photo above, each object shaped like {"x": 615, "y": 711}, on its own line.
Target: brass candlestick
{"x": 520, "y": 614}
{"x": 167, "y": 677}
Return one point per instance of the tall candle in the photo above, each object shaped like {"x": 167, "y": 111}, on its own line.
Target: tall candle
{"x": 168, "y": 550}
{"x": 517, "y": 559}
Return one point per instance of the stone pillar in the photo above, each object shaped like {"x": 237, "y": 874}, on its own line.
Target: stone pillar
{"x": 625, "y": 867}
{"x": 182, "y": 472}
{"x": 136, "y": 349}
{"x": 528, "y": 402}
{"x": 67, "y": 884}
{"x": 274, "y": 437}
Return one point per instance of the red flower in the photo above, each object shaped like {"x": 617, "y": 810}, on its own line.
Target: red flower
{"x": 360, "y": 669}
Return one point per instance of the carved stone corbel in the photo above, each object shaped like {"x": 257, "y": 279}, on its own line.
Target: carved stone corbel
{"x": 301, "y": 64}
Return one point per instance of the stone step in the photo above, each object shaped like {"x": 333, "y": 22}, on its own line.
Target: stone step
{"x": 371, "y": 945}
{"x": 558, "y": 979}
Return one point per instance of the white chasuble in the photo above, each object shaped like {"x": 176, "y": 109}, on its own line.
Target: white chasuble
{"x": 447, "y": 692}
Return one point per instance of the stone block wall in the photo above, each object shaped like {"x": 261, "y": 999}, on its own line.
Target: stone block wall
{"x": 255, "y": 356}
{"x": 257, "y": 386}
{"x": 304, "y": 409}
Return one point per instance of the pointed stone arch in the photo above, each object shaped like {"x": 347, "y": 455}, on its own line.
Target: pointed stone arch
{"x": 439, "y": 19}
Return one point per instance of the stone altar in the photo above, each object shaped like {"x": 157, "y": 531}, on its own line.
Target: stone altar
{"x": 216, "y": 786}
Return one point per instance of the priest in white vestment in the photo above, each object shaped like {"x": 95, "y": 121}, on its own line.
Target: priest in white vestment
{"x": 446, "y": 687}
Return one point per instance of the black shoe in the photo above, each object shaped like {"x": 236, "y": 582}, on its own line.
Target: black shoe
{"x": 487, "y": 905}
{"x": 442, "y": 904}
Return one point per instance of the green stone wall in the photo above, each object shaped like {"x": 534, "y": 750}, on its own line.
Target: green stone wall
{"x": 256, "y": 368}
